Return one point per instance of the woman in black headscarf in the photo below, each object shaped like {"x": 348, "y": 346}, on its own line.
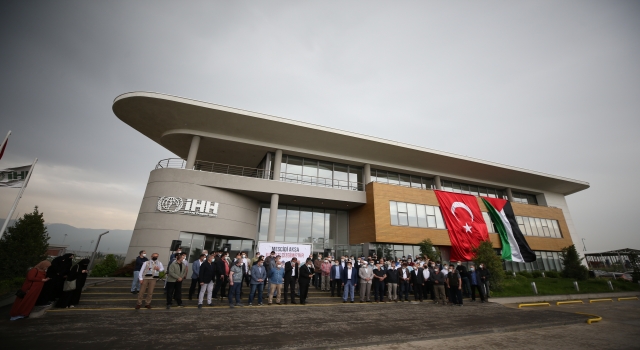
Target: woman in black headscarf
{"x": 81, "y": 278}
{"x": 48, "y": 293}
{"x": 63, "y": 267}
{"x": 77, "y": 273}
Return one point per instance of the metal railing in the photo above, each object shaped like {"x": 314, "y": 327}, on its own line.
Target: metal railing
{"x": 212, "y": 167}
{"x": 322, "y": 182}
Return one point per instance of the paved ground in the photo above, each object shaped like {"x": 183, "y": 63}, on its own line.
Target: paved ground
{"x": 108, "y": 321}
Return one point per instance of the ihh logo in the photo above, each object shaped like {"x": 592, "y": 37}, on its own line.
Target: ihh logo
{"x": 191, "y": 206}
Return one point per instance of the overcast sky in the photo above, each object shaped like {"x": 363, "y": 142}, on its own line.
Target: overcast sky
{"x": 552, "y": 86}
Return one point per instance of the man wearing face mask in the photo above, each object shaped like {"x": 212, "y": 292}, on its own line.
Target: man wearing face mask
{"x": 438, "y": 286}
{"x": 276, "y": 280}
{"x": 484, "y": 281}
{"x": 366, "y": 279}
{"x": 466, "y": 291}
{"x": 336, "y": 279}
{"x": 206, "y": 277}
{"x": 291, "y": 274}
{"x": 235, "y": 283}
{"x": 195, "y": 275}
{"x": 247, "y": 268}
{"x": 349, "y": 280}
{"x": 306, "y": 274}
{"x": 268, "y": 264}
{"x": 405, "y": 278}
{"x": 454, "y": 281}
{"x": 140, "y": 259}
{"x": 317, "y": 267}
{"x": 148, "y": 276}
{"x": 474, "y": 280}
{"x": 417, "y": 280}
{"x": 176, "y": 273}
{"x": 222, "y": 276}
{"x": 258, "y": 275}
{"x": 326, "y": 275}
{"x": 379, "y": 275}
{"x": 392, "y": 283}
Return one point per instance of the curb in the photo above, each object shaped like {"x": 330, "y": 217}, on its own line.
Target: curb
{"x": 561, "y": 297}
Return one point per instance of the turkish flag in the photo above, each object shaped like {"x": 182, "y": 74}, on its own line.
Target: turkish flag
{"x": 464, "y": 222}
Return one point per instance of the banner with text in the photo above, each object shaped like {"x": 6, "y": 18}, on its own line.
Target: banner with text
{"x": 287, "y": 251}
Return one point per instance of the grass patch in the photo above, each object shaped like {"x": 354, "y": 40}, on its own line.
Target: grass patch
{"x": 520, "y": 286}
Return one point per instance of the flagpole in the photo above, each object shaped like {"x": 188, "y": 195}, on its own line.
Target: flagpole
{"x": 15, "y": 203}
{"x": 4, "y": 143}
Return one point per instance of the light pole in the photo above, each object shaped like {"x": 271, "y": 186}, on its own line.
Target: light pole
{"x": 65, "y": 237}
{"x": 584, "y": 247}
{"x": 95, "y": 250}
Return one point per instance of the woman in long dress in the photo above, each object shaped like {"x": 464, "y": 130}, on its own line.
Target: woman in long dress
{"x": 32, "y": 286}
{"x": 81, "y": 279}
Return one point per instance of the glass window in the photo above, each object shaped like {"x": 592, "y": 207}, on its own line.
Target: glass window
{"x": 280, "y": 224}
{"x": 310, "y": 172}
{"x": 402, "y": 214}
{"x": 415, "y": 182}
{"x": 340, "y": 176}
{"x": 292, "y": 223}
{"x": 427, "y": 184}
{"x": 488, "y": 222}
{"x": 539, "y": 227}
{"x": 483, "y": 191}
{"x": 446, "y": 186}
{"x": 456, "y": 187}
{"x": 464, "y": 188}
{"x": 439, "y": 219}
{"x": 474, "y": 190}
{"x": 422, "y": 216}
{"x": 294, "y": 165}
{"x": 325, "y": 174}
{"x": 527, "y": 227}
{"x": 534, "y": 229}
{"x": 394, "y": 179}
{"x": 317, "y": 229}
{"x": 556, "y": 228}
{"x": 413, "y": 216}
{"x": 343, "y": 228}
{"x": 264, "y": 223}
{"x": 405, "y": 180}
{"x": 382, "y": 177}
{"x": 393, "y": 207}
{"x": 306, "y": 222}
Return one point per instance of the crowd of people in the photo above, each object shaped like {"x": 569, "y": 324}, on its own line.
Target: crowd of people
{"x": 45, "y": 285}
{"x": 373, "y": 279}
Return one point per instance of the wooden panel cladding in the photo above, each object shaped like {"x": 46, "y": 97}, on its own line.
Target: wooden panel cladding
{"x": 372, "y": 223}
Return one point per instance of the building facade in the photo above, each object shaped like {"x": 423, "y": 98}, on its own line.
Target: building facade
{"x": 242, "y": 177}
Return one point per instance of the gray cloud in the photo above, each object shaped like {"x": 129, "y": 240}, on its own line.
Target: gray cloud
{"x": 541, "y": 85}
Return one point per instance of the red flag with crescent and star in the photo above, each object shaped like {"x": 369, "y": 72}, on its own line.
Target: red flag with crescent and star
{"x": 464, "y": 222}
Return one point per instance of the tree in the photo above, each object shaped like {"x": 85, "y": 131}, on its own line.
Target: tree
{"x": 24, "y": 245}
{"x": 633, "y": 259}
{"x": 572, "y": 262}
{"x": 427, "y": 249}
{"x": 484, "y": 254}
{"x": 106, "y": 267}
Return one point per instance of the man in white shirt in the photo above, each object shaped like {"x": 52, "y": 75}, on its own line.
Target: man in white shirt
{"x": 149, "y": 273}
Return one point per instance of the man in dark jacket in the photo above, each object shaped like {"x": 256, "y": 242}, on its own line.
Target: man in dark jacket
{"x": 484, "y": 280}
{"x": 207, "y": 277}
{"x": 417, "y": 281}
{"x": 454, "y": 281}
{"x": 392, "y": 283}
{"x": 222, "y": 276}
{"x": 466, "y": 290}
{"x": 306, "y": 274}
{"x": 335, "y": 278}
{"x": 379, "y": 275}
{"x": 474, "y": 281}
{"x": 140, "y": 259}
{"x": 291, "y": 274}
{"x": 349, "y": 280}
{"x": 438, "y": 286}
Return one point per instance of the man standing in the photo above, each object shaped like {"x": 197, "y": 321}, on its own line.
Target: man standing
{"x": 306, "y": 274}
{"x": 484, "y": 281}
{"x": 246, "y": 266}
{"x": 317, "y": 267}
{"x": 149, "y": 273}
{"x": 291, "y": 274}
{"x": 349, "y": 281}
{"x": 276, "y": 279}
{"x": 140, "y": 259}
{"x": 195, "y": 275}
{"x": 474, "y": 280}
{"x": 426, "y": 275}
{"x": 454, "y": 281}
{"x": 379, "y": 275}
{"x": 366, "y": 279}
{"x": 336, "y": 279}
{"x": 222, "y": 276}
{"x": 466, "y": 290}
{"x": 438, "y": 286}
{"x": 258, "y": 276}
{"x": 417, "y": 280}
{"x": 392, "y": 283}
{"x": 206, "y": 276}
{"x": 405, "y": 277}
{"x": 326, "y": 275}
{"x": 235, "y": 283}
{"x": 176, "y": 274}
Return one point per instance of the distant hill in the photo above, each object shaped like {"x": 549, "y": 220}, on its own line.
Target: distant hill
{"x": 116, "y": 241}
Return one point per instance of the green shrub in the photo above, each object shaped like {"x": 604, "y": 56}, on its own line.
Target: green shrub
{"x": 520, "y": 277}
{"x": 525, "y": 274}
{"x": 484, "y": 254}
{"x": 106, "y": 267}
{"x": 572, "y": 262}
{"x": 552, "y": 274}
{"x": 126, "y": 270}
{"x": 536, "y": 274}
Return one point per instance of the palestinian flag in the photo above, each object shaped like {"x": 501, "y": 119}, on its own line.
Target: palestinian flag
{"x": 514, "y": 246}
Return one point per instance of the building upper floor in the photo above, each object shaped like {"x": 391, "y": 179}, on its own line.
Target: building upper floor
{"x": 237, "y": 142}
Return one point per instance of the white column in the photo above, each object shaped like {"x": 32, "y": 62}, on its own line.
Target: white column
{"x": 273, "y": 218}
{"x": 277, "y": 164}
{"x": 509, "y": 194}
{"x": 436, "y": 180}
{"x": 367, "y": 173}
{"x": 193, "y": 152}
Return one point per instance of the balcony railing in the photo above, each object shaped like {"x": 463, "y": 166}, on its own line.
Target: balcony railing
{"x": 211, "y": 167}
{"x": 179, "y": 163}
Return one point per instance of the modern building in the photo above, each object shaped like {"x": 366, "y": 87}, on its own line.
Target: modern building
{"x": 241, "y": 177}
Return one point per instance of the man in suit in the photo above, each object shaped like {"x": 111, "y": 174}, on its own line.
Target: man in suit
{"x": 206, "y": 276}
{"x": 349, "y": 281}
{"x": 291, "y": 274}
{"x": 379, "y": 275}
{"x": 195, "y": 279}
{"x": 417, "y": 280}
{"x": 306, "y": 274}
{"x": 366, "y": 279}
{"x": 336, "y": 278}
{"x": 222, "y": 276}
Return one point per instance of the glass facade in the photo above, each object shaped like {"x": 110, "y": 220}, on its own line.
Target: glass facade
{"x": 484, "y": 191}
{"x": 525, "y": 198}
{"x": 545, "y": 261}
{"x": 193, "y": 244}
{"x": 324, "y": 228}
{"x": 320, "y": 173}
{"x": 396, "y": 251}
{"x": 391, "y": 178}
{"x": 539, "y": 227}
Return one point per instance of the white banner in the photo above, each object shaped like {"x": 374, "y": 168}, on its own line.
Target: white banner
{"x": 14, "y": 177}
{"x": 287, "y": 251}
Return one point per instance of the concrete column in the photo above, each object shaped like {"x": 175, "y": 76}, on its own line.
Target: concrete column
{"x": 193, "y": 152}
{"x": 509, "y": 195}
{"x": 367, "y": 173}
{"x": 436, "y": 180}
{"x": 273, "y": 217}
{"x": 277, "y": 165}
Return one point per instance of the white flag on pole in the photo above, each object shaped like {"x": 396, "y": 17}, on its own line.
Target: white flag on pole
{"x": 14, "y": 177}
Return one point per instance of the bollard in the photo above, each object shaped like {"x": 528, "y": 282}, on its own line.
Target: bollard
{"x": 543, "y": 276}
{"x": 533, "y": 286}
{"x": 514, "y": 275}
{"x": 610, "y": 285}
{"x": 575, "y": 284}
